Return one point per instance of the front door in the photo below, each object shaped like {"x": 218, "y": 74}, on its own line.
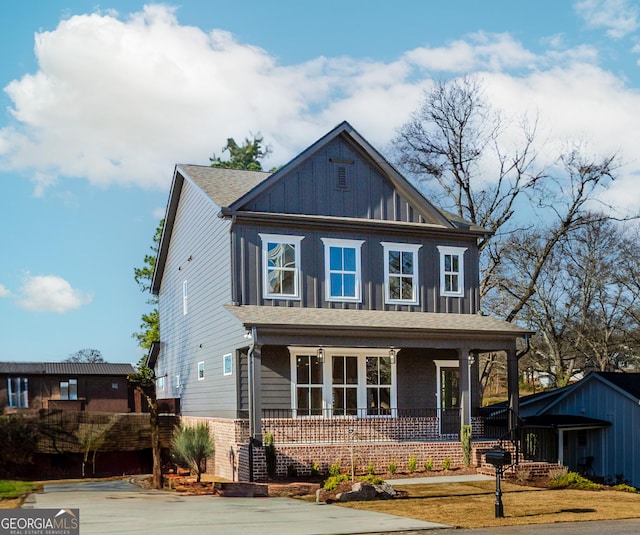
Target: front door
{"x": 448, "y": 397}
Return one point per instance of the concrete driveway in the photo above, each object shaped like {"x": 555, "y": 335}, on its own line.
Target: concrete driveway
{"x": 116, "y": 507}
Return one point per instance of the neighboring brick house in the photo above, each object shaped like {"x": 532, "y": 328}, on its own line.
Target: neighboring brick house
{"x": 328, "y": 303}
{"x": 70, "y": 386}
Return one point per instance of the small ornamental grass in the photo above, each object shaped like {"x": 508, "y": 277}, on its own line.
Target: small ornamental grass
{"x": 191, "y": 446}
{"x": 573, "y": 480}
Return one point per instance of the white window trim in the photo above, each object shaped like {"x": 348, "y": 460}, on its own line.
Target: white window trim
{"x": 201, "y": 370}
{"x": 227, "y": 364}
{"x": 362, "y": 354}
{"x": 457, "y": 251}
{"x": 178, "y": 382}
{"x": 22, "y": 395}
{"x": 335, "y": 242}
{"x": 404, "y": 248}
{"x": 280, "y": 238}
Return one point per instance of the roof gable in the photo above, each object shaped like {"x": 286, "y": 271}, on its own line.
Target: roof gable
{"x": 341, "y": 175}
{"x": 607, "y": 381}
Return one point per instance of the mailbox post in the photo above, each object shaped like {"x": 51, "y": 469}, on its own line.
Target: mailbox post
{"x": 499, "y": 458}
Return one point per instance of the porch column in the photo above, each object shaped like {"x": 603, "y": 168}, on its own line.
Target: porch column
{"x": 464, "y": 364}
{"x": 513, "y": 388}
{"x": 255, "y": 399}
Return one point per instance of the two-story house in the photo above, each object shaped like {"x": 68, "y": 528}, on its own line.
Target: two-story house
{"x": 329, "y": 304}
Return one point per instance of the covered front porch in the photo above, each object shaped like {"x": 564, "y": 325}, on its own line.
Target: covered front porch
{"x": 345, "y": 376}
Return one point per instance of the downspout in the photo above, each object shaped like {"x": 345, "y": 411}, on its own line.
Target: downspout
{"x": 252, "y": 407}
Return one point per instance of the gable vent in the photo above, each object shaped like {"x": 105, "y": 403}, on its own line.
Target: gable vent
{"x": 342, "y": 173}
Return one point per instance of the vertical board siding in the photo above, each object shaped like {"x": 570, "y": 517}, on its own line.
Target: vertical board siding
{"x": 615, "y": 447}
{"x": 206, "y": 332}
{"x": 248, "y": 270}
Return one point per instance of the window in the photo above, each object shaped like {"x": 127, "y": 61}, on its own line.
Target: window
{"x": 308, "y": 387}
{"x": 358, "y": 382}
{"x": 281, "y": 266}
{"x": 69, "y": 389}
{"x": 227, "y": 364}
{"x": 342, "y": 269}
{"x": 378, "y": 385}
{"x": 401, "y": 273}
{"x": 178, "y": 383}
{"x": 160, "y": 384}
{"x": 185, "y": 298}
{"x": 344, "y": 388}
{"x": 115, "y": 386}
{"x": 201, "y": 370}
{"x": 451, "y": 271}
{"x": 18, "y": 388}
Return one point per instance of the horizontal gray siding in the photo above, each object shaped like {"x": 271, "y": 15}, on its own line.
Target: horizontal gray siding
{"x": 199, "y": 252}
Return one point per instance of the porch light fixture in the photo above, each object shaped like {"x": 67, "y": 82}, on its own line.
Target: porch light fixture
{"x": 392, "y": 355}
{"x": 321, "y": 355}
{"x": 472, "y": 359}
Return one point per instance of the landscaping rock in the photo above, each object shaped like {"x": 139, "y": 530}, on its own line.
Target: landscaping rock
{"x": 385, "y": 491}
{"x": 359, "y": 492}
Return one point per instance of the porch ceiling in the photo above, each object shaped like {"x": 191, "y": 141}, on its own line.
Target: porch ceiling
{"x": 300, "y": 325}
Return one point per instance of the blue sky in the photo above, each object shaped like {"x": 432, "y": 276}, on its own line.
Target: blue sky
{"x": 99, "y": 101}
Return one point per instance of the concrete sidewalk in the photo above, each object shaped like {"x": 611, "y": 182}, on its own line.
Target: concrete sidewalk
{"x": 120, "y": 507}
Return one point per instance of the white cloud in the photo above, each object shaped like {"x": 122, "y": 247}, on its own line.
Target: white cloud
{"x": 4, "y": 292}
{"x": 619, "y": 17}
{"x": 121, "y": 101}
{"x": 49, "y": 293}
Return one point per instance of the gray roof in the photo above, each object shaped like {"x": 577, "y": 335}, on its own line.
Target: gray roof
{"x": 65, "y": 368}
{"x": 253, "y": 315}
{"x": 223, "y": 186}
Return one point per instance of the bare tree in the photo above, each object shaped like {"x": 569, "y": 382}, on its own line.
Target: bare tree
{"x": 92, "y": 356}
{"x": 455, "y": 146}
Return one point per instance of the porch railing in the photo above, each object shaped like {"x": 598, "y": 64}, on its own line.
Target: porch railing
{"x": 360, "y": 425}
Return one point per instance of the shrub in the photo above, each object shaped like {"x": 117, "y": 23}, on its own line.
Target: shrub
{"x": 413, "y": 463}
{"x": 558, "y": 472}
{"x": 392, "y": 467}
{"x": 191, "y": 446}
{"x": 315, "y": 469}
{"x": 428, "y": 465}
{"x": 334, "y": 469}
{"x": 374, "y": 480}
{"x": 270, "y": 454}
{"x": 371, "y": 468}
{"x": 467, "y": 431}
{"x": 332, "y": 482}
{"x": 622, "y": 487}
{"x": 446, "y": 463}
{"x": 573, "y": 480}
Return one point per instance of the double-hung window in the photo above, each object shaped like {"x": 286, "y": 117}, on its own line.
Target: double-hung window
{"x": 452, "y": 271}
{"x": 401, "y": 273}
{"x": 18, "y": 389}
{"x": 342, "y": 267}
{"x": 281, "y": 266}
{"x": 69, "y": 389}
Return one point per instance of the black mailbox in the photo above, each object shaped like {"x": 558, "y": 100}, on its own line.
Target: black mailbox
{"x": 498, "y": 457}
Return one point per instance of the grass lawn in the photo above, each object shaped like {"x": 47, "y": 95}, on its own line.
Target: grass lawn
{"x": 472, "y": 505}
{"x": 13, "y": 493}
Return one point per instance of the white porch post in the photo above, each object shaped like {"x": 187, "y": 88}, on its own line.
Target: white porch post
{"x": 464, "y": 364}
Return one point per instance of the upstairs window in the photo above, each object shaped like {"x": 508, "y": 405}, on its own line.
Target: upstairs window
{"x": 18, "y": 389}
{"x": 452, "y": 271}
{"x": 401, "y": 273}
{"x": 342, "y": 269}
{"x": 69, "y": 389}
{"x": 281, "y": 266}
{"x": 201, "y": 370}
